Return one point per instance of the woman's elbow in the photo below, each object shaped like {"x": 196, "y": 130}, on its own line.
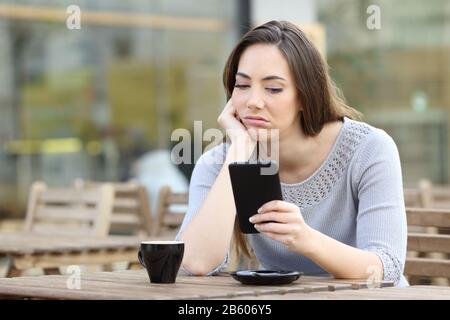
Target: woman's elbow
{"x": 196, "y": 268}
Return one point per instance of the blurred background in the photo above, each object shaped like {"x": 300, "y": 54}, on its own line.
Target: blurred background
{"x": 100, "y": 103}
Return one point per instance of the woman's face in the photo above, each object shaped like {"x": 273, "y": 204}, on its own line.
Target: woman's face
{"x": 264, "y": 95}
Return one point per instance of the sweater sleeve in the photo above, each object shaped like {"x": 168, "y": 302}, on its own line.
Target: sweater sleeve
{"x": 203, "y": 177}
{"x": 381, "y": 218}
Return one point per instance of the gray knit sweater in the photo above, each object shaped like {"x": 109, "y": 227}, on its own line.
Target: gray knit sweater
{"x": 356, "y": 197}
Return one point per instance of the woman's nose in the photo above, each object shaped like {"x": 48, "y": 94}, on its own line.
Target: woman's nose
{"x": 255, "y": 101}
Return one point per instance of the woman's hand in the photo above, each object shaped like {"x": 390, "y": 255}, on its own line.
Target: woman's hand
{"x": 242, "y": 142}
{"x": 229, "y": 120}
{"x": 283, "y": 222}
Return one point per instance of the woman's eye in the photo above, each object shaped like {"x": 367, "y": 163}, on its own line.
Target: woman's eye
{"x": 241, "y": 86}
{"x": 275, "y": 90}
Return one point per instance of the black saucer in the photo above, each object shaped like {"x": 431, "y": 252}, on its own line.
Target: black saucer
{"x": 265, "y": 277}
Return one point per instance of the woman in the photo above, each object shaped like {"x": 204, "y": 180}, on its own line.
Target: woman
{"x": 343, "y": 211}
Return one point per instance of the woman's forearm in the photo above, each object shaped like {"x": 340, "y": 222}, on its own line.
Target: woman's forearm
{"x": 341, "y": 260}
{"x": 207, "y": 236}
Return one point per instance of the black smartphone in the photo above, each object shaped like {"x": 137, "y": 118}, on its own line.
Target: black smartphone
{"x": 254, "y": 183}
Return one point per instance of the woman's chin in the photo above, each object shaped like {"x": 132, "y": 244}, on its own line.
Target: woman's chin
{"x": 262, "y": 134}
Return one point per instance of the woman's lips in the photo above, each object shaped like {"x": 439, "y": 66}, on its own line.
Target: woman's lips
{"x": 257, "y": 122}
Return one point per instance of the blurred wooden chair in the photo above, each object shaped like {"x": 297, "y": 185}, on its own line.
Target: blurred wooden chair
{"x": 434, "y": 196}
{"x": 412, "y": 197}
{"x": 169, "y": 220}
{"x": 131, "y": 214}
{"x": 435, "y": 247}
{"x": 69, "y": 211}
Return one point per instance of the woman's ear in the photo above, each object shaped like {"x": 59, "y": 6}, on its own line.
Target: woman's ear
{"x": 300, "y": 105}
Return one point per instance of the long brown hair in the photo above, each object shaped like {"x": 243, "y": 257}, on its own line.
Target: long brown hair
{"x": 321, "y": 100}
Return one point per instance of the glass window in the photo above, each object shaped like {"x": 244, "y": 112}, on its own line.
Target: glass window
{"x": 86, "y": 103}
{"x": 398, "y": 75}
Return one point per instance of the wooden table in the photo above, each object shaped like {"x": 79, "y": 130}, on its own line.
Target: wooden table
{"x": 134, "y": 284}
{"x": 27, "y": 250}
{"x": 385, "y": 293}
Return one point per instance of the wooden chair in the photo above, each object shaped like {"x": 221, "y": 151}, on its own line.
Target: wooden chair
{"x": 69, "y": 211}
{"x": 426, "y": 243}
{"x": 131, "y": 214}
{"x": 427, "y": 195}
{"x": 412, "y": 197}
{"x": 434, "y": 196}
{"x": 168, "y": 220}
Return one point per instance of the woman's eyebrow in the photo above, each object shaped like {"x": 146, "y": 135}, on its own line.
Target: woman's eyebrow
{"x": 272, "y": 77}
